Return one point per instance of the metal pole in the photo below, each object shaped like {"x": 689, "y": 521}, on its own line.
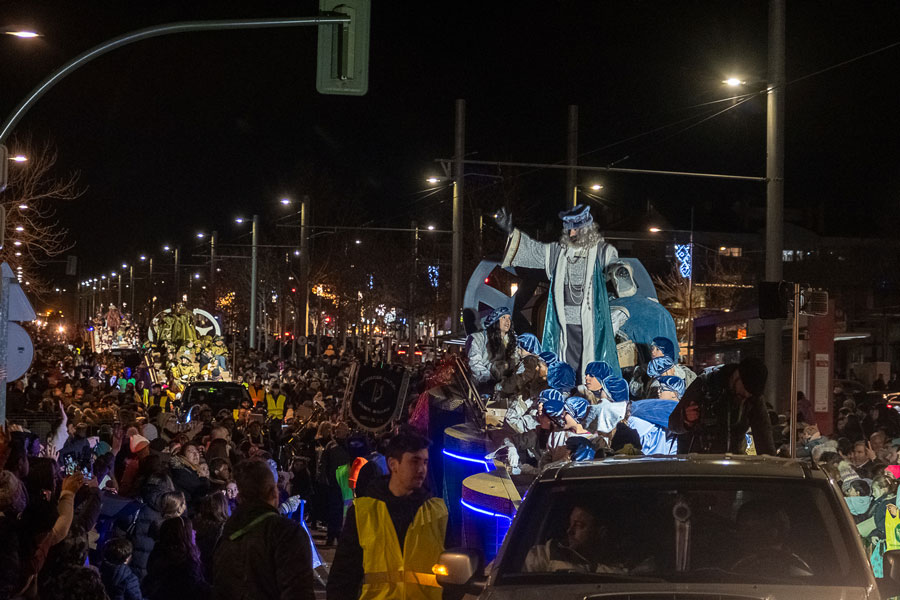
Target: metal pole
{"x": 152, "y": 295}
{"x": 690, "y": 332}
{"x": 150, "y": 32}
{"x": 4, "y": 342}
{"x": 775, "y": 191}
{"x": 303, "y": 312}
{"x": 177, "y": 282}
{"x": 410, "y": 354}
{"x": 131, "y": 287}
{"x": 253, "y": 267}
{"x": 572, "y": 158}
{"x": 120, "y": 290}
{"x": 458, "y": 196}
{"x": 212, "y": 262}
{"x": 795, "y": 355}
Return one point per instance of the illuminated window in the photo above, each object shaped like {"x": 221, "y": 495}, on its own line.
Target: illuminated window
{"x": 730, "y": 251}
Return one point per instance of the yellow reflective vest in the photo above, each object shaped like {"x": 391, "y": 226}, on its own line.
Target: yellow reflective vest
{"x": 389, "y": 573}
{"x": 892, "y": 531}
{"x": 275, "y": 406}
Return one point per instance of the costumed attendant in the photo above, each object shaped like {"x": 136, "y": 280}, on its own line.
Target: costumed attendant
{"x": 561, "y": 418}
{"x": 493, "y": 353}
{"x": 594, "y": 375}
{"x": 641, "y": 379}
{"x": 650, "y": 418}
{"x": 561, "y": 377}
{"x": 577, "y": 326}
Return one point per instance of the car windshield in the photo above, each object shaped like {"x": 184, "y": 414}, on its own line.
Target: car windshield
{"x": 692, "y": 530}
{"x": 214, "y": 396}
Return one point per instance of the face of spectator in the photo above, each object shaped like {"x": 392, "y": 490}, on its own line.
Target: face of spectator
{"x": 409, "y": 472}
{"x": 877, "y": 441}
{"x": 192, "y": 454}
{"x": 858, "y": 455}
{"x": 231, "y": 491}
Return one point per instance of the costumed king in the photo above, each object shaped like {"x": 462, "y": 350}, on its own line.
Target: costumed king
{"x": 577, "y": 327}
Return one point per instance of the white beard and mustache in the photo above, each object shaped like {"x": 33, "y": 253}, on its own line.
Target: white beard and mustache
{"x": 585, "y": 238}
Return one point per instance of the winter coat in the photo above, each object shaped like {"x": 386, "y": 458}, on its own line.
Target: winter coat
{"x": 173, "y": 578}
{"x": 207, "y": 536}
{"x": 189, "y": 482}
{"x": 146, "y": 528}
{"x": 262, "y": 557}
{"x": 120, "y": 582}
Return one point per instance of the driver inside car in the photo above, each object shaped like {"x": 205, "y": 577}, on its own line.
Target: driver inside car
{"x": 762, "y": 532}
{"x": 584, "y": 550}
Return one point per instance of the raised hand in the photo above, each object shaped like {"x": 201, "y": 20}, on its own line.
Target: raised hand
{"x": 504, "y": 220}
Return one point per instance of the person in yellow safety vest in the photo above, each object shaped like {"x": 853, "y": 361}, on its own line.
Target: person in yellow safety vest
{"x": 393, "y": 536}
{"x": 257, "y": 391}
{"x": 158, "y": 398}
{"x": 275, "y": 402}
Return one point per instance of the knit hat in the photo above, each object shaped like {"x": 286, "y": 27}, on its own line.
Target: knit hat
{"x": 599, "y": 370}
{"x": 659, "y": 365}
{"x": 672, "y": 383}
{"x": 576, "y": 217}
{"x": 529, "y": 343}
{"x": 495, "y": 315}
{"x": 616, "y": 388}
{"x": 665, "y": 346}
{"x": 560, "y": 376}
{"x": 138, "y": 443}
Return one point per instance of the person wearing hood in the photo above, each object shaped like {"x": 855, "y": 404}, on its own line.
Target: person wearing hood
{"x": 393, "y": 537}
{"x": 149, "y": 518}
{"x": 663, "y": 361}
{"x": 647, "y": 321}
{"x": 190, "y": 474}
{"x": 594, "y": 374}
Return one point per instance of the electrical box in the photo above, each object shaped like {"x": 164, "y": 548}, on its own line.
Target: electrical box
{"x": 343, "y": 49}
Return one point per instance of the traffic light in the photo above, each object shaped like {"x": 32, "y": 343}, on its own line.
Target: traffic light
{"x": 343, "y": 49}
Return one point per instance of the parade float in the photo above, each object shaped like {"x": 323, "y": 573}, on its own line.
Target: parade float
{"x": 186, "y": 345}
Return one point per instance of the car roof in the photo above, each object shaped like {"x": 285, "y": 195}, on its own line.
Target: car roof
{"x": 688, "y": 465}
{"x": 212, "y": 384}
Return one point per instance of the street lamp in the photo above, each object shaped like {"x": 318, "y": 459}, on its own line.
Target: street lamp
{"x": 19, "y": 158}
{"x": 594, "y": 187}
{"x": 285, "y": 201}
{"x": 734, "y": 82}
{"x": 23, "y": 34}
{"x": 254, "y": 256}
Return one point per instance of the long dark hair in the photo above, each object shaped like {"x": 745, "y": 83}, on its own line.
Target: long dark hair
{"x": 176, "y": 539}
{"x": 496, "y": 351}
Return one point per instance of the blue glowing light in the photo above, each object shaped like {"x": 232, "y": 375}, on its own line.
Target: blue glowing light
{"x": 470, "y": 459}
{"x": 684, "y": 253}
{"x": 434, "y": 273}
{"x": 485, "y": 512}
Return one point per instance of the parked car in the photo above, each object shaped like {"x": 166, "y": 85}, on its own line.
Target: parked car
{"x": 681, "y": 527}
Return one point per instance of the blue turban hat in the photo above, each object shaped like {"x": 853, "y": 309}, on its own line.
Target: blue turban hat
{"x": 549, "y": 357}
{"x": 580, "y": 448}
{"x": 577, "y": 407}
{"x": 576, "y": 217}
{"x": 560, "y": 376}
{"x": 616, "y": 388}
{"x": 672, "y": 384}
{"x": 529, "y": 343}
{"x": 665, "y": 346}
{"x": 553, "y": 403}
{"x": 599, "y": 370}
{"x": 659, "y": 365}
{"x": 495, "y": 315}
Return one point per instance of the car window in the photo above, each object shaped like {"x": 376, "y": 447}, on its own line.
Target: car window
{"x": 684, "y": 529}
{"x": 215, "y": 397}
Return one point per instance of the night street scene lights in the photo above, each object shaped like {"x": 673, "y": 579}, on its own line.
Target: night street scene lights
{"x": 24, "y": 34}
{"x": 734, "y": 82}
{"x": 19, "y": 158}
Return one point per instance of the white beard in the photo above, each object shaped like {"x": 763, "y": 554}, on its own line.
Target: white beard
{"x": 585, "y": 238}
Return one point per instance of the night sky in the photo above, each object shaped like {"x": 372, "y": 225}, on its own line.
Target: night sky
{"x": 180, "y": 134}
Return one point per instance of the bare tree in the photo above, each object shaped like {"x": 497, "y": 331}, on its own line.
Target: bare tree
{"x": 33, "y": 234}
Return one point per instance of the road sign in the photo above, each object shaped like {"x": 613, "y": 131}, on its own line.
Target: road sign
{"x": 342, "y": 60}
{"x": 302, "y": 340}
{"x": 19, "y": 352}
{"x": 376, "y": 399}
{"x": 19, "y": 307}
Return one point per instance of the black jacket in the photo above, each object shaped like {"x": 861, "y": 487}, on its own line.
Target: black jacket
{"x": 346, "y": 575}
{"x": 120, "y": 582}
{"x": 146, "y": 528}
{"x": 268, "y": 560}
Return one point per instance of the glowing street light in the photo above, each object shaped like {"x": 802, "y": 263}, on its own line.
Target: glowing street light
{"x": 430, "y": 228}
{"x": 19, "y": 158}
{"x": 734, "y": 82}
{"x": 285, "y": 201}
{"x": 166, "y": 248}
{"x": 596, "y": 187}
{"x": 143, "y": 257}
{"x": 239, "y": 220}
{"x": 359, "y": 241}
{"x": 655, "y": 230}
{"x": 201, "y": 235}
{"x": 23, "y": 207}
{"x": 20, "y": 228}
{"x": 196, "y": 275}
{"x": 23, "y": 34}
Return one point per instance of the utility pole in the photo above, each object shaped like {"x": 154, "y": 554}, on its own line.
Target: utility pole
{"x": 119, "y": 305}
{"x": 303, "y": 311}
{"x": 253, "y": 267}
{"x": 410, "y": 354}
{"x": 177, "y": 286}
{"x": 572, "y": 156}
{"x": 212, "y": 262}
{"x": 775, "y": 191}
{"x": 458, "y": 197}
{"x": 152, "y": 296}
{"x": 131, "y": 287}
